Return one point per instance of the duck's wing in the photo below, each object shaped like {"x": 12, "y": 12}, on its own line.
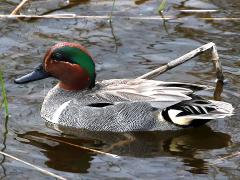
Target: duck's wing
{"x": 119, "y": 117}
{"x": 176, "y": 101}
{"x": 160, "y": 94}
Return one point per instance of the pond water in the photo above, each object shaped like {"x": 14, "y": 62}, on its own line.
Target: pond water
{"x": 127, "y": 48}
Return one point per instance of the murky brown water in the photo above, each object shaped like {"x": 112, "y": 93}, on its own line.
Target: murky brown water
{"x": 128, "y": 48}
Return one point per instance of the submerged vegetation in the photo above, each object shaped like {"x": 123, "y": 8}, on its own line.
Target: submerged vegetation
{"x": 4, "y": 101}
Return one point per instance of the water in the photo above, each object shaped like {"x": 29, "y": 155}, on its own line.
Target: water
{"x": 127, "y": 48}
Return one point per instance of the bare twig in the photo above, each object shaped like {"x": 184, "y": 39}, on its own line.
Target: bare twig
{"x": 33, "y": 166}
{"x": 217, "y": 161}
{"x": 187, "y": 57}
{"x": 16, "y": 10}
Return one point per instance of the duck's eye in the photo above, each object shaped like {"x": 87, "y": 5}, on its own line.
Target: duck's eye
{"x": 57, "y": 56}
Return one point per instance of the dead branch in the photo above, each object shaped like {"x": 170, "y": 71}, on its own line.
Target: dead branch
{"x": 187, "y": 57}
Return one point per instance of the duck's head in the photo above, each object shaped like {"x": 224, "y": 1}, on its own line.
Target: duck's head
{"x": 71, "y": 63}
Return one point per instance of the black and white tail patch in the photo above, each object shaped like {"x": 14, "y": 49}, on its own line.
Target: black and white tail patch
{"x": 196, "y": 112}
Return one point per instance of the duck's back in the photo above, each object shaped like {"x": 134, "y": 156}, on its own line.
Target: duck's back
{"x": 116, "y": 105}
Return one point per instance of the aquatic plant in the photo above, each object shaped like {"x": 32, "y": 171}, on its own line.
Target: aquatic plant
{"x": 162, "y": 6}
{"x": 4, "y": 94}
{"x": 113, "y": 6}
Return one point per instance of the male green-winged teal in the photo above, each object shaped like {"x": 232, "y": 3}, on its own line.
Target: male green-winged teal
{"x": 117, "y": 104}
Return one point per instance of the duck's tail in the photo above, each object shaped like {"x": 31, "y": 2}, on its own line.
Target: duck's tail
{"x": 194, "y": 113}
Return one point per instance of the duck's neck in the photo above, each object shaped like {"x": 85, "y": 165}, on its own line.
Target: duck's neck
{"x": 72, "y": 77}
{"x": 70, "y": 87}
{"x": 76, "y": 84}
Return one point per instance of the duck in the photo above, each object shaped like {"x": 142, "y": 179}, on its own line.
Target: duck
{"x": 117, "y": 105}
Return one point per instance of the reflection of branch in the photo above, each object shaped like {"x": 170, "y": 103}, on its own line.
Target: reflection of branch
{"x": 110, "y": 17}
{"x": 82, "y": 147}
{"x": 114, "y": 36}
{"x": 111, "y": 26}
{"x": 75, "y": 145}
{"x": 15, "y": 11}
{"x": 219, "y": 160}
{"x": 164, "y": 22}
{"x": 121, "y": 143}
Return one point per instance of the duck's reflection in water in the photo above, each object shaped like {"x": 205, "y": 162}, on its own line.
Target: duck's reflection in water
{"x": 185, "y": 144}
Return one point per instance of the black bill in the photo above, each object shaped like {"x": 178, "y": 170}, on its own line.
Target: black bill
{"x": 37, "y": 74}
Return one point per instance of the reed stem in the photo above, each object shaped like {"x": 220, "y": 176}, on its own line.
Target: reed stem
{"x": 4, "y": 94}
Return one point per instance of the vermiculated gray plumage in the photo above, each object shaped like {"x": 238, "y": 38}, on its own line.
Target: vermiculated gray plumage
{"x": 117, "y": 105}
